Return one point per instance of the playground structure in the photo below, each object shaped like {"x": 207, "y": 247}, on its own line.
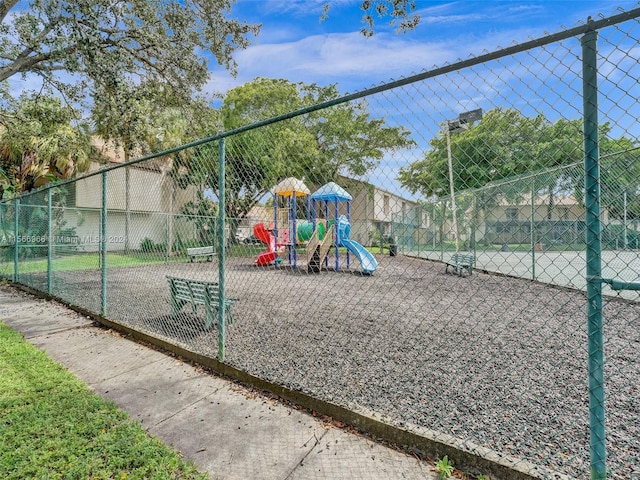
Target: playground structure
{"x": 286, "y": 238}
{"x": 317, "y": 235}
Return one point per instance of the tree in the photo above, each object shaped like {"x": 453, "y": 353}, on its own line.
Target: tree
{"x": 401, "y": 12}
{"x": 173, "y": 127}
{"x": 75, "y": 45}
{"x": 146, "y": 117}
{"x": 317, "y": 146}
{"x": 505, "y": 144}
{"x": 38, "y": 143}
{"x": 619, "y": 176}
{"x": 203, "y": 213}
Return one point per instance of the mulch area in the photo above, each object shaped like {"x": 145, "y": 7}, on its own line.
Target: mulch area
{"x": 491, "y": 359}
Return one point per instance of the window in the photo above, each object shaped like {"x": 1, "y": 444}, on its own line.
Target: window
{"x": 511, "y": 213}
{"x": 385, "y": 201}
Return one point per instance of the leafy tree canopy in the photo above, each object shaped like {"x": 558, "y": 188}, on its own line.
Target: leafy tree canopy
{"x": 147, "y": 117}
{"x": 317, "y": 146}
{"x": 39, "y": 142}
{"x": 75, "y": 45}
{"x": 401, "y": 13}
{"x": 506, "y": 143}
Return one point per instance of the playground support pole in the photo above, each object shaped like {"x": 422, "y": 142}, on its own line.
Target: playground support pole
{"x": 349, "y": 219}
{"x": 594, "y": 256}
{"x": 292, "y": 232}
{"x": 338, "y": 239}
{"x": 221, "y": 250}
{"x": 326, "y": 216}
{"x": 275, "y": 224}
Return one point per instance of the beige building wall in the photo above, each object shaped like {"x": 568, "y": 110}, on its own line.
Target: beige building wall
{"x": 372, "y": 207}
{"x": 154, "y": 203}
{"x": 563, "y": 208}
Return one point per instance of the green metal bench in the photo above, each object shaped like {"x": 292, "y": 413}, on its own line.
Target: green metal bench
{"x": 196, "y": 252}
{"x": 198, "y": 292}
{"x": 459, "y": 263}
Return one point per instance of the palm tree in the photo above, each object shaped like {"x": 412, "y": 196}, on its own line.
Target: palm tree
{"x": 38, "y": 144}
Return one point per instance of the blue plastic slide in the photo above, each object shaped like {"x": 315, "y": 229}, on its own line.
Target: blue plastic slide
{"x": 367, "y": 261}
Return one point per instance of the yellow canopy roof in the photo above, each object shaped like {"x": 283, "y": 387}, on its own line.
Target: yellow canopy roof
{"x": 291, "y": 185}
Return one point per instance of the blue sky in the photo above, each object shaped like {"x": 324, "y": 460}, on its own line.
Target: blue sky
{"x": 294, "y": 44}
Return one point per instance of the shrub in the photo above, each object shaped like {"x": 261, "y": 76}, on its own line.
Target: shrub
{"x": 147, "y": 246}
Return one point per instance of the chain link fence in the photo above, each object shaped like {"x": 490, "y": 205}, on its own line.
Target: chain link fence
{"x": 543, "y": 239}
{"x": 324, "y": 249}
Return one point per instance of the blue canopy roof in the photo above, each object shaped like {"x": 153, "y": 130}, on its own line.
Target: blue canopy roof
{"x": 331, "y": 192}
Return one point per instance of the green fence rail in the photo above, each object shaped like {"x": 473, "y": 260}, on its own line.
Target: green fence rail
{"x": 319, "y": 239}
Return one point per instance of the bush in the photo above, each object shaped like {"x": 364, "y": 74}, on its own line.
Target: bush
{"x": 181, "y": 246}
{"x": 613, "y": 237}
{"x": 377, "y": 237}
{"x": 147, "y": 246}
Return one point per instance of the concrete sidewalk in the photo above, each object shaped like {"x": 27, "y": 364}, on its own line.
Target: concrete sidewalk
{"x": 229, "y": 431}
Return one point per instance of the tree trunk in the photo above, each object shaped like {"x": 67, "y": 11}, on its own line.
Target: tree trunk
{"x": 550, "y": 205}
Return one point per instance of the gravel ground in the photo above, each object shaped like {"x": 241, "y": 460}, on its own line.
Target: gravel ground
{"x": 494, "y": 360}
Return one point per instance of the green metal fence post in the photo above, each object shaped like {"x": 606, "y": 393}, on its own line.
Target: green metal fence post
{"x": 221, "y": 252}
{"x": 532, "y": 233}
{"x": 444, "y": 213}
{"x": 16, "y": 216}
{"x": 103, "y": 245}
{"x": 474, "y": 222}
{"x": 49, "y": 241}
{"x": 594, "y": 257}
{"x": 166, "y": 237}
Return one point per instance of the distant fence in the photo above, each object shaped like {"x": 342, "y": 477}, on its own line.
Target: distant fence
{"x": 545, "y": 177}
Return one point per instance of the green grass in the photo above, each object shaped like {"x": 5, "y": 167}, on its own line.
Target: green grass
{"x": 526, "y": 247}
{"x": 91, "y": 261}
{"x": 242, "y": 250}
{"x": 88, "y": 261}
{"x": 513, "y": 247}
{"x": 53, "y": 426}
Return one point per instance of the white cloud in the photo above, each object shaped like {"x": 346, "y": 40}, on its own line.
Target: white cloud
{"x": 289, "y": 7}
{"x": 354, "y": 62}
{"x": 349, "y": 59}
{"x": 465, "y": 18}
